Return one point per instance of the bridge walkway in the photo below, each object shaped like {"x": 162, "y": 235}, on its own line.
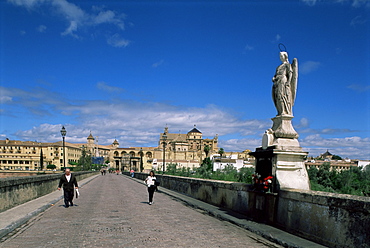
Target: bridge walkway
{"x": 113, "y": 211}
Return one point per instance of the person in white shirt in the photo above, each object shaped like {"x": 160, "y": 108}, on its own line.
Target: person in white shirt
{"x": 150, "y": 182}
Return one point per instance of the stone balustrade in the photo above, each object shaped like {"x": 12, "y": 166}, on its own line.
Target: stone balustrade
{"x": 17, "y": 190}
{"x": 334, "y": 220}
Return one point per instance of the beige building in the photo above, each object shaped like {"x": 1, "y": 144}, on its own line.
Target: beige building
{"x": 27, "y": 155}
{"x": 186, "y": 150}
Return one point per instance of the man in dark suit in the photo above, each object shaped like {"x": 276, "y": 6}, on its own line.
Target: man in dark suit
{"x": 69, "y": 182}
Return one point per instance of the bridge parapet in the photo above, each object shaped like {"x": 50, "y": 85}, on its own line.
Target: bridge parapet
{"x": 334, "y": 220}
{"x": 18, "y": 190}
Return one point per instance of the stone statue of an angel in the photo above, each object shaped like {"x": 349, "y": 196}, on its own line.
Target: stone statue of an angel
{"x": 285, "y": 85}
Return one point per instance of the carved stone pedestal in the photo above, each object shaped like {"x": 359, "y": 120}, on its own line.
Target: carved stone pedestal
{"x": 283, "y": 128}
{"x": 286, "y": 166}
{"x": 290, "y": 170}
{"x": 281, "y": 156}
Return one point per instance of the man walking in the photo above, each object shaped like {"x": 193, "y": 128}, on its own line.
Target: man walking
{"x": 69, "y": 182}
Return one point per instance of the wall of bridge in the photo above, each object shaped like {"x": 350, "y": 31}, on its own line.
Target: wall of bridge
{"x": 335, "y": 220}
{"x": 18, "y": 190}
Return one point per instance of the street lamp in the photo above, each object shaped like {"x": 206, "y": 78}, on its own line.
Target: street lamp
{"x": 164, "y": 137}
{"x": 141, "y": 159}
{"x": 63, "y": 133}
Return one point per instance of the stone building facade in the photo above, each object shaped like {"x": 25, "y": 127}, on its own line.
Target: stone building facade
{"x": 187, "y": 150}
{"x": 26, "y": 155}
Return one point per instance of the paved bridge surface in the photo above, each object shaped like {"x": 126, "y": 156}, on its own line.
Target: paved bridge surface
{"x": 113, "y": 211}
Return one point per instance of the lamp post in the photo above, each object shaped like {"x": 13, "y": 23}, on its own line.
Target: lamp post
{"x": 164, "y": 137}
{"x": 63, "y": 133}
{"x": 141, "y": 160}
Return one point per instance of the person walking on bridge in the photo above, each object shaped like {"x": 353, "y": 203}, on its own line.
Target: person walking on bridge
{"x": 69, "y": 183}
{"x": 150, "y": 182}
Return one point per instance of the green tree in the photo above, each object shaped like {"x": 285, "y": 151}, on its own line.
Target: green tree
{"x": 171, "y": 169}
{"x": 221, "y": 151}
{"x": 207, "y": 148}
{"x": 51, "y": 166}
{"x": 85, "y": 160}
{"x": 312, "y": 173}
{"x": 184, "y": 172}
{"x": 366, "y": 181}
{"x": 336, "y": 157}
{"x": 205, "y": 169}
{"x": 229, "y": 173}
{"x": 323, "y": 175}
{"x": 245, "y": 175}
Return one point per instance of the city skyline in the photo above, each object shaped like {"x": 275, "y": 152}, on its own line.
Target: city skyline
{"x": 126, "y": 70}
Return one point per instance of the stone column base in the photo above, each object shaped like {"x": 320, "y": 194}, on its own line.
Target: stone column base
{"x": 290, "y": 170}
{"x": 282, "y": 127}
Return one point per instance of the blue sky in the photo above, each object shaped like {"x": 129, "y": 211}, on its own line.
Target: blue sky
{"x": 125, "y": 69}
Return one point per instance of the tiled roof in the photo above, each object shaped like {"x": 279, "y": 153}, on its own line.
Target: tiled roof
{"x": 194, "y": 130}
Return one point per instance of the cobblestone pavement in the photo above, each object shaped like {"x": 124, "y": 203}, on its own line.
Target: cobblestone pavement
{"x": 113, "y": 211}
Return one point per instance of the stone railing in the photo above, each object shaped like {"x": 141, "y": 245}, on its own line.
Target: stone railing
{"x": 334, "y": 220}
{"x": 17, "y": 190}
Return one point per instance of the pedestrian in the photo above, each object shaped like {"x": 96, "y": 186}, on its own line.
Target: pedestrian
{"x": 150, "y": 182}
{"x": 69, "y": 183}
{"x": 132, "y": 172}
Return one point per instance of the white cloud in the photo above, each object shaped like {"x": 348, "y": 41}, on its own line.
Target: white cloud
{"x": 351, "y": 147}
{"x": 41, "y": 28}
{"x": 360, "y": 3}
{"x": 310, "y": 2}
{"x": 26, "y": 3}
{"x": 116, "y": 41}
{"x": 303, "y": 122}
{"x": 277, "y": 38}
{"x": 359, "y": 87}
{"x": 309, "y": 66}
{"x": 155, "y": 65}
{"x": 358, "y": 20}
{"x": 109, "y": 16}
{"x": 5, "y": 99}
{"x": 76, "y": 17}
{"x": 354, "y": 3}
{"x": 105, "y": 87}
{"x": 73, "y": 26}
{"x": 248, "y": 48}
{"x": 135, "y": 123}
{"x": 239, "y": 145}
{"x": 331, "y": 131}
{"x": 131, "y": 121}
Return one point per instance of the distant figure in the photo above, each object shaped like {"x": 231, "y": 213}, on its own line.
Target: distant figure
{"x": 102, "y": 171}
{"x": 132, "y": 173}
{"x": 285, "y": 85}
{"x": 68, "y": 180}
{"x": 150, "y": 182}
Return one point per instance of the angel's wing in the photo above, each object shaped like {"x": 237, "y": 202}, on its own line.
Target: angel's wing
{"x": 294, "y": 80}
